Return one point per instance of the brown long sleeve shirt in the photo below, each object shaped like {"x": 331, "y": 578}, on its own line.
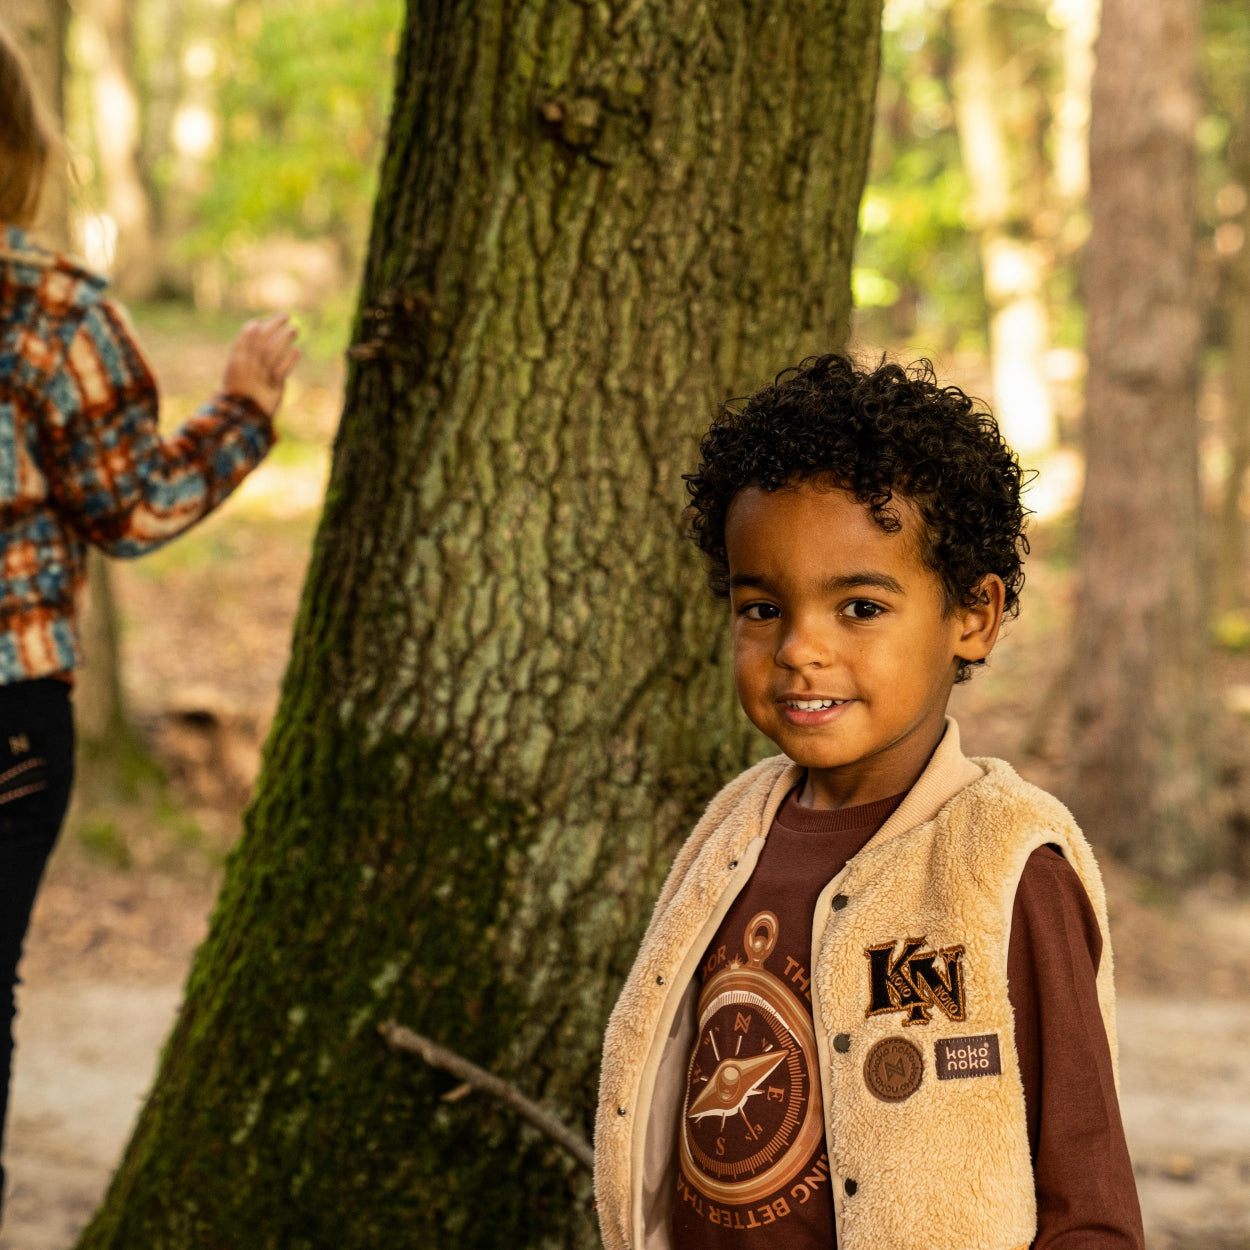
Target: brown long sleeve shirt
{"x": 1086, "y": 1197}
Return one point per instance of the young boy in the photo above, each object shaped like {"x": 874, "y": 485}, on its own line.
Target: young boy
{"x": 874, "y": 1005}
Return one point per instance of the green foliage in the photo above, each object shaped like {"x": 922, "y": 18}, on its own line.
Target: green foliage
{"x": 1232, "y": 631}
{"x": 301, "y": 89}
{"x": 917, "y": 274}
{"x": 918, "y": 269}
{"x": 1224, "y": 126}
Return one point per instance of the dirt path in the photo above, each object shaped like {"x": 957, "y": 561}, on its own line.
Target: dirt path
{"x": 1185, "y": 1078}
{"x": 88, "y": 1049}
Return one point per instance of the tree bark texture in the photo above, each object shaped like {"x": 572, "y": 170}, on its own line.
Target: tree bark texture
{"x": 507, "y": 698}
{"x": 1140, "y": 739}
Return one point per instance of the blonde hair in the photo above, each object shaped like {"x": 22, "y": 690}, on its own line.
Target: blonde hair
{"x": 27, "y": 137}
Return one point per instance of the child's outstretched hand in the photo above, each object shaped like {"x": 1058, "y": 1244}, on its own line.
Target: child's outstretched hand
{"x": 260, "y": 360}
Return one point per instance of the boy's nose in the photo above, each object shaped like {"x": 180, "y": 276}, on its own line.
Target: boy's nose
{"x": 802, "y": 647}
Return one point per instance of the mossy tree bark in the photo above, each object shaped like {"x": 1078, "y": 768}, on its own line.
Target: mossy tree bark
{"x": 1140, "y": 733}
{"x": 506, "y": 699}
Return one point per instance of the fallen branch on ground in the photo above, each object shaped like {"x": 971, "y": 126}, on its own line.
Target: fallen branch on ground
{"x": 400, "y": 1038}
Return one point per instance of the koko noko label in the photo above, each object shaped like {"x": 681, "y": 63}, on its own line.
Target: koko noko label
{"x": 957, "y": 1058}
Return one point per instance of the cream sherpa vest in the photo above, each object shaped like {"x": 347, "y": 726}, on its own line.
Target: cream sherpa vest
{"x": 924, "y": 1107}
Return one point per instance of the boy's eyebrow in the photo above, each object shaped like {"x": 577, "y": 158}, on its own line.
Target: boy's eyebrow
{"x": 857, "y": 581}
{"x": 833, "y": 585}
{"x": 753, "y": 581}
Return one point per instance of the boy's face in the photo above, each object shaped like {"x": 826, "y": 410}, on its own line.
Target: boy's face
{"x": 844, "y": 650}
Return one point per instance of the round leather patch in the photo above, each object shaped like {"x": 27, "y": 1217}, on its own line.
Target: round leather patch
{"x": 893, "y": 1069}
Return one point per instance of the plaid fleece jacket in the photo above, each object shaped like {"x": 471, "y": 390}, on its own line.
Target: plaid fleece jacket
{"x": 81, "y": 457}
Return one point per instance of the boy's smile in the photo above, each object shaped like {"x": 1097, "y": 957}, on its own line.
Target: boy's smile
{"x": 845, "y": 649}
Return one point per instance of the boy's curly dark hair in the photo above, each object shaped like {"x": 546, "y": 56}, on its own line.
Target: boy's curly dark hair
{"x": 876, "y": 433}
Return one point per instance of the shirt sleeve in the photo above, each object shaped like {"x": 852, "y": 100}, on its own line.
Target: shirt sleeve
{"x": 1086, "y": 1195}
{"x": 111, "y": 474}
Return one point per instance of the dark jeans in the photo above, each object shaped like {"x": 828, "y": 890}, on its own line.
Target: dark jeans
{"x": 36, "y": 772}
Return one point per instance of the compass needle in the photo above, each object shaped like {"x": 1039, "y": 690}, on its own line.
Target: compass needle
{"x": 733, "y": 1082}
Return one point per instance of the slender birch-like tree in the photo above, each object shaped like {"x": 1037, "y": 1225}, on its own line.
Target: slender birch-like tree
{"x": 507, "y": 698}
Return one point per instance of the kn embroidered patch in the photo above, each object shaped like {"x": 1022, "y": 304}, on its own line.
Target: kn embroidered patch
{"x": 917, "y": 981}
{"x": 893, "y": 1069}
{"x": 959, "y": 1057}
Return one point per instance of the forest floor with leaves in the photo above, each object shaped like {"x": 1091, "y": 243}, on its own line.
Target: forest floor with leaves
{"x": 207, "y": 624}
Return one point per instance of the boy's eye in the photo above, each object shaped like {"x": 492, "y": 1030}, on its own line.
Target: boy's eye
{"x": 863, "y": 609}
{"x": 761, "y": 611}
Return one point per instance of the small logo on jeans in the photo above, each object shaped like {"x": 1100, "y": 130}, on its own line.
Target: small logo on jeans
{"x": 19, "y": 744}
{"x": 961, "y": 1057}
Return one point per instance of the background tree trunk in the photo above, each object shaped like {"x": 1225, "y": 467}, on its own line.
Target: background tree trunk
{"x": 1139, "y": 744}
{"x": 1232, "y": 578}
{"x": 111, "y": 759}
{"x": 1078, "y": 20}
{"x": 116, "y": 116}
{"x": 1013, "y": 263}
{"x": 507, "y": 698}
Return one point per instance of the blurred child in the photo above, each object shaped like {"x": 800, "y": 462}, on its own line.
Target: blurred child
{"x": 81, "y": 461}
{"x": 874, "y": 1006}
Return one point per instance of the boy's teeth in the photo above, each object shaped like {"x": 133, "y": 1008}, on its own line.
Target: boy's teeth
{"x": 812, "y": 705}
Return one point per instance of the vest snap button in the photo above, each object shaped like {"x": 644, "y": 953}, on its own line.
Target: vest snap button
{"x": 842, "y": 1043}
{"x": 620, "y": 1111}
{"x": 733, "y": 863}
{"x": 840, "y": 901}
{"x": 659, "y": 980}
{"x": 850, "y": 1186}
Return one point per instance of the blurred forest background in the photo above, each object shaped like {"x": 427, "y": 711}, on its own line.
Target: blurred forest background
{"x": 222, "y": 158}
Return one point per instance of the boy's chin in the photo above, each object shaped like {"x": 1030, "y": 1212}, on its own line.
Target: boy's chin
{"x": 810, "y": 752}
{"x": 821, "y": 761}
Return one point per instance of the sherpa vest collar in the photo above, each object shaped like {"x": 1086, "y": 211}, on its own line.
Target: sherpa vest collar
{"x": 916, "y": 928}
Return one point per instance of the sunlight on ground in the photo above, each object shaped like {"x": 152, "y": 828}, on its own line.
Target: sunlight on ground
{"x": 285, "y": 491}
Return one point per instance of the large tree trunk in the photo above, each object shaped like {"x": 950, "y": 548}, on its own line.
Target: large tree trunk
{"x": 1014, "y": 265}
{"x": 507, "y": 698}
{"x": 1140, "y": 739}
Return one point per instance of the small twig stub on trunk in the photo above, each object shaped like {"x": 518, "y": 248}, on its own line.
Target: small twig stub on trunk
{"x": 400, "y": 1038}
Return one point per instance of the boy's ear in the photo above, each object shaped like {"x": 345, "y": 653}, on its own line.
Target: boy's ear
{"x": 979, "y": 624}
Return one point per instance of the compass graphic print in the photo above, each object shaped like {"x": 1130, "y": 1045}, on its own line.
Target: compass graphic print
{"x": 750, "y": 1118}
